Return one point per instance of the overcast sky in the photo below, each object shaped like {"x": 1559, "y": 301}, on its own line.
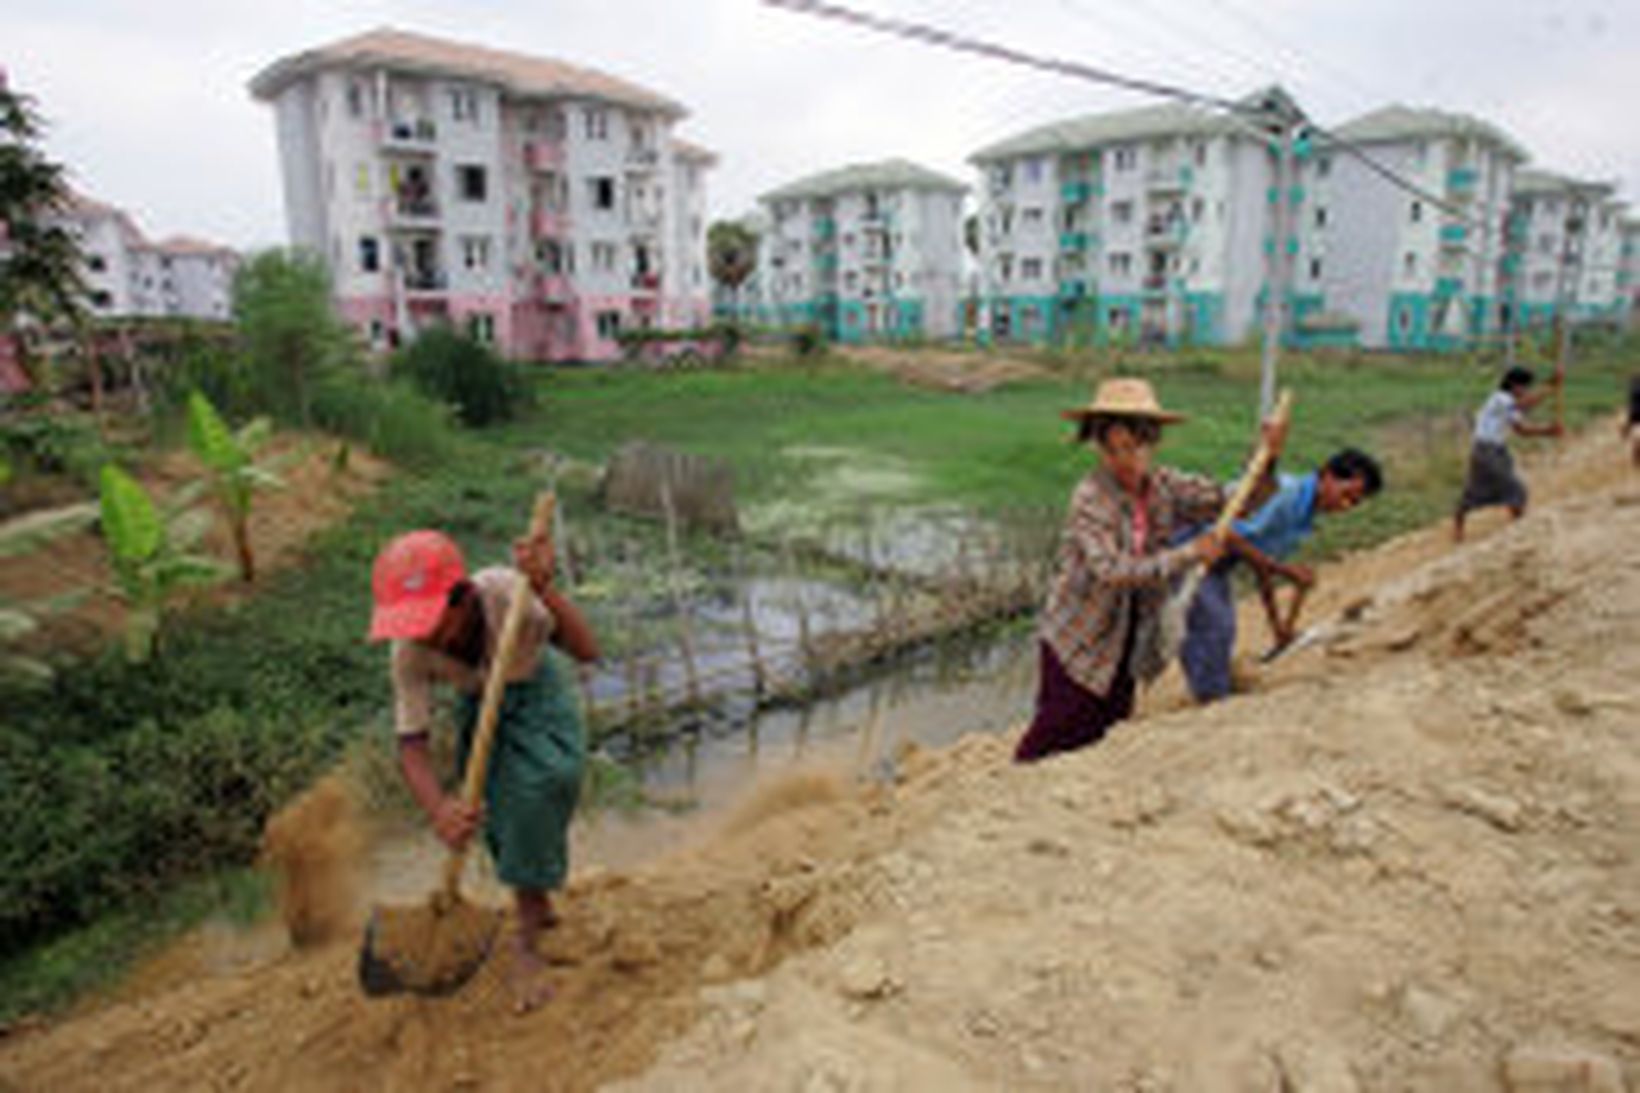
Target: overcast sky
{"x": 148, "y": 107}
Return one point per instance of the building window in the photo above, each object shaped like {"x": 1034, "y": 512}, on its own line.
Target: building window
{"x": 1315, "y": 269}
{"x": 609, "y": 325}
{"x": 361, "y": 181}
{"x": 1323, "y": 166}
{"x": 603, "y": 192}
{"x": 1001, "y": 177}
{"x": 850, "y": 280}
{"x": 1200, "y": 152}
{"x": 1198, "y": 209}
{"x": 1117, "y": 318}
{"x": 370, "y": 256}
{"x": 475, "y": 252}
{"x": 1031, "y": 218}
{"x": 101, "y": 300}
{"x": 1409, "y": 264}
{"x": 1033, "y": 169}
{"x": 603, "y": 257}
{"x": 1123, "y": 159}
{"x": 1030, "y": 268}
{"x": 1122, "y": 212}
{"x": 472, "y": 183}
{"x": 1121, "y": 263}
{"x": 1321, "y": 216}
{"x": 464, "y": 104}
{"x": 481, "y": 327}
{"x": 597, "y": 127}
{"x": 1546, "y": 244}
{"x": 95, "y": 263}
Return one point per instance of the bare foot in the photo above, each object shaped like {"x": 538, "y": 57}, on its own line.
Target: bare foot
{"x": 528, "y": 977}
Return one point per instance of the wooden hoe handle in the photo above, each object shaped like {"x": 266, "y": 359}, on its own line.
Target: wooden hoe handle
{"x": 495, "y": 684}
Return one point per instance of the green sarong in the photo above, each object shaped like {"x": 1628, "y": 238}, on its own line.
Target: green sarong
{"x": 535, "y": 775}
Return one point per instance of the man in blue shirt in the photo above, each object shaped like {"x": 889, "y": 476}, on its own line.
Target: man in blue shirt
{"x": 1265, "y": 540}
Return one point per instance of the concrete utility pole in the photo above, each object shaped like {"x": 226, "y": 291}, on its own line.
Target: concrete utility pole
{"x": 1571, "y": 265}
{"x": 1278, "y": 267}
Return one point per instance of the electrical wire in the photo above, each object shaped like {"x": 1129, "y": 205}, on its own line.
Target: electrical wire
{"x": 931, "y": 35}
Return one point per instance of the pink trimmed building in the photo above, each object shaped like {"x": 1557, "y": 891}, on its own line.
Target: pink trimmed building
{"x": 540, "y": 205}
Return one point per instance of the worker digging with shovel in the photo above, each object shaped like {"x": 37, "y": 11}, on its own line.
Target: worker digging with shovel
{"x": 447, "y": 628}
{"x": 1265, "y": 539}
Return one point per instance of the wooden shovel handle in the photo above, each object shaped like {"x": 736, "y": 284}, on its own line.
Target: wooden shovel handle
{"x": 495, "y": 684}
{"x": 1254, "y": 474}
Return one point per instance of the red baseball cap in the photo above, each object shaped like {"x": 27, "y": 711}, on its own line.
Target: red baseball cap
{"x": 411, "y": 582}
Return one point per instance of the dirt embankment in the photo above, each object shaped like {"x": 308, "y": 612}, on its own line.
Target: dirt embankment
{"x": 1406, "y": 862}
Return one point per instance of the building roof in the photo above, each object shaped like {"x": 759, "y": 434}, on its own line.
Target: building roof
{"x": 888, "y": 174}
{"x": 187, "y": 244}
{"x": 85, "y": 209}
{"x": 517, "y": 73}
{"x": 1534, "y": 181}
{"x": 684, "y": 149}
{"x": 1111, "y": 127}
{"x": 1397, "y": 122}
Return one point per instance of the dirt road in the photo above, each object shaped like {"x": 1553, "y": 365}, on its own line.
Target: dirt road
{"x": 1406, "y": 862}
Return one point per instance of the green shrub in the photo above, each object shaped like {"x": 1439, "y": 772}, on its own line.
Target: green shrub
{"x": 290, "y": 338}
{"x": 392, "y": 419}
{"x": 51, "y": 441}
{"x": 448, "y": 367}
{"x": 808, "y": 340}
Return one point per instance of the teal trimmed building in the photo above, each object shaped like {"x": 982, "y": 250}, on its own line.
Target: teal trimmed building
{"x": 1566, "y": 250}
{"x": 868, "y": 252}
{"x": 1147, "y": 225}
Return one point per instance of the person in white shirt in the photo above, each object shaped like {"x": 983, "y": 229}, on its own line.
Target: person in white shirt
{"x": 1492, "y": 479}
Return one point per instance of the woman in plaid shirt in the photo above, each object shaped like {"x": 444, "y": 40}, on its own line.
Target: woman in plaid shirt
{"x": 1098, "y": 630}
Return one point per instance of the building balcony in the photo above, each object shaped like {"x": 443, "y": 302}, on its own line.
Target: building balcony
{"x": 417, "y": 136}
{"x": 1454, "y": 235}
{"x": 1165, "y": 233}
{"x": 1075, "y": 192}
{"x": 646, "y": 283}
{"x": 1073, "y": 288}
{"x": 1161, "y": 180}
{"x": 412, "y": 214}
{"x": 1460, "y": 181}
{"x": 824, "y": 227}
{"x": 1073, "y": 241}
{"x": 642, "y": 158}
{"x": 1448, "y": 286}
{"x": 555, "y": 288}
{"x": 643, "y": 222}
{"x": 1154, "y": 282}
{"x": 544, "y": 155}
{"x": 548, "y": 223}
{"x": 425, "y": 282}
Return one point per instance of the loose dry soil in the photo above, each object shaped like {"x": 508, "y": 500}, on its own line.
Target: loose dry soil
{"x": 1405, "y": 860}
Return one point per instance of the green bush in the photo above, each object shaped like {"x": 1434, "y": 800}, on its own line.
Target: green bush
{"x": 290, "y": 339}
{"x": 90, "y": 827}
{"x": 808, "y": 340}
{"x": 49, "y": 441}
{"x": 392, "y": 419}
{"x": 481, "y": 386}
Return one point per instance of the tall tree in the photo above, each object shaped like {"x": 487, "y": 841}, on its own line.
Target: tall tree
{"x": 40, "y": 262}
{"x": 731, "y": 255}
{"x": 289, "y": 335}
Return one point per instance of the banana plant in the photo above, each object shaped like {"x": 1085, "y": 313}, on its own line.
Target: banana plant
{"x": 153, "y": 551}
{"x": 235, "y": 476}
{"x": 20, "y": 618}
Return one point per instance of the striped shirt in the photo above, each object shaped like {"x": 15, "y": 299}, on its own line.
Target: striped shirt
{"x": 1108, "y": 582}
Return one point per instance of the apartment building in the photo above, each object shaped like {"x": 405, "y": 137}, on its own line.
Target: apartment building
{"x": 1415, "y": 270}
{"x": 1628, "y": 269}
{"x": 1565, "y": 244}
{"x": 540, "y": 205}
{"x": 128, "y": 275}
{"x": 871, "y": 250}
{"x": 1151, "y": 224}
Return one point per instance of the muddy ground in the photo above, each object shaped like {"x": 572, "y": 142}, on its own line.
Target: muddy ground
{"x": 1405, "y": 860}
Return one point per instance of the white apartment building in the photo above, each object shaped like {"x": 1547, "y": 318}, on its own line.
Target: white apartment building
{"x": 871, "y": 250}
{"x": 127, "y": 275}
{"x": 1566, "y": 243}
{"x": 1150, "y": 224}
{"x": 1628, "y": 269}
{"x": 541, "y": 205}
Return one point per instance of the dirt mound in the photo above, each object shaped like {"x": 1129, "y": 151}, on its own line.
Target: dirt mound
{"x": 1406, "y": 863}
{"x": 945, "y": 370}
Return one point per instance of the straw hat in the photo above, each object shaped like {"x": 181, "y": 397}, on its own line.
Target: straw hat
{"x": 1124, "y": 397}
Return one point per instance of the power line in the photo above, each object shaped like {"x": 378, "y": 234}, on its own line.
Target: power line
{"x": 922, "y": 32}
{"x": 1388, "y": 174}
